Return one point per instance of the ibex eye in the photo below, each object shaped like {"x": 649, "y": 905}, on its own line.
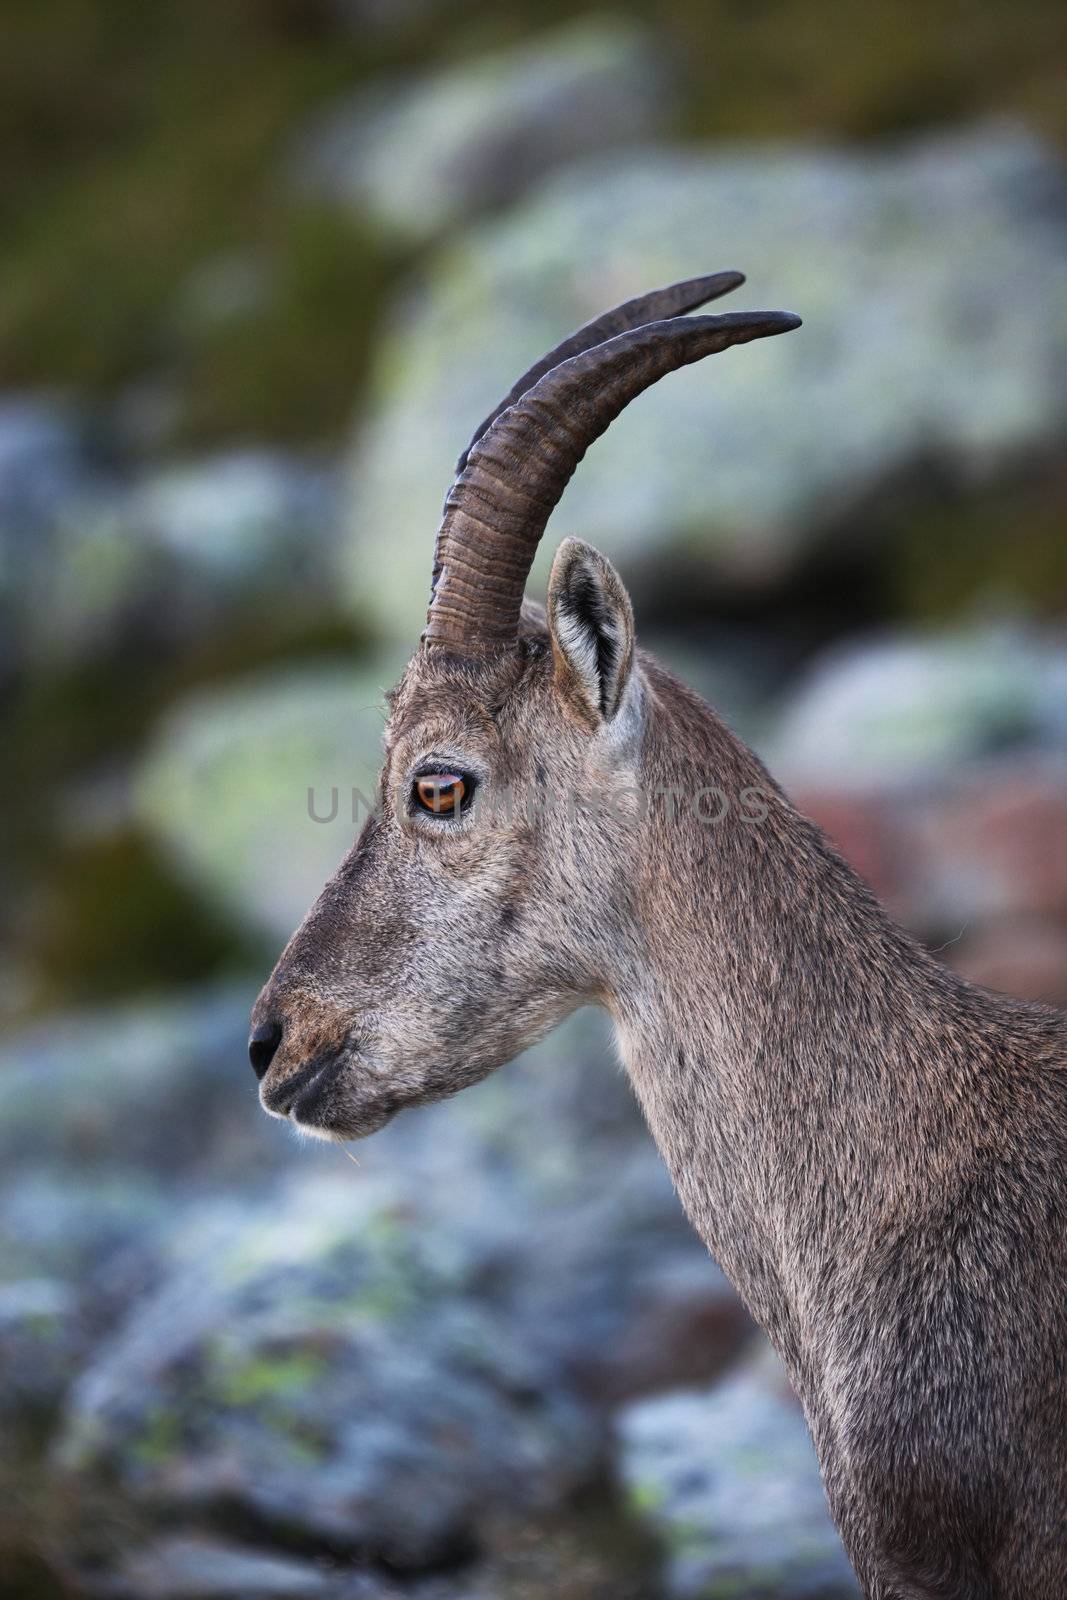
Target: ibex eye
{"x": 442, "y": 794}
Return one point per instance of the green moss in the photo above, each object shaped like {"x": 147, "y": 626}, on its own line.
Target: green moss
{"x": 646, "y": 1496}
{"x": 159, "y": 1440}
{"x": 831, "y": 67}
{"x": 150, "y": 141}
{"x": 293, "y": 367}
{"x": 114, "y": 918}
{"x": 263, "y": 1377}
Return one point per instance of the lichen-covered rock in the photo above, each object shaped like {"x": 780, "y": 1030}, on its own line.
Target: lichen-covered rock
{"x": 910, "y": 708}
{"x": 256, "y": 517}
{"x": 73, "y": 1258}
{"x": 420, "y": 155}
{"x": 156, "y": 1087}
{"x": 67, "y": 565}
{"x": 192, "y": 1567}
{"x": 105, "y": 1118}
{"x": 260, "y": 789}
{"x": 729, "y": 1479}
{"x": 89, "y": 553}
{"x": 379, "y": 1361}
{"x": 912, "y": 349}
{"x": 321, "y": 1365}
{"x": 41, "y": 1339}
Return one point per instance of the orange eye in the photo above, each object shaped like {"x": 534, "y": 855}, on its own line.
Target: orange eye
{"x": 441, "y": 793}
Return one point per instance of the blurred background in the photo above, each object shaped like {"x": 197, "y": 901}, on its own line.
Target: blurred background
{"x": 263, "y": 267}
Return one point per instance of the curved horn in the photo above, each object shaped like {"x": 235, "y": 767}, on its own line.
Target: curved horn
{"x": 673, "y": 301}
{"x": 497, "y": 509}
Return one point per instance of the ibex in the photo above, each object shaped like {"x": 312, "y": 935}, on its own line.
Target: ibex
{"x": 874, "y": 1149}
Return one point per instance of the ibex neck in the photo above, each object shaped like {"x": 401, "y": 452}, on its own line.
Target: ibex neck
{"x": 790, "y": 1045}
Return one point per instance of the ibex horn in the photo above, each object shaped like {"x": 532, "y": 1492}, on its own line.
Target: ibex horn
{"x": 673, "y": 301}
{"x": 515, "y": 474}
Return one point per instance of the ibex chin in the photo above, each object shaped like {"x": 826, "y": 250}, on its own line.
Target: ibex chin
{"x": 874, "y": 1149}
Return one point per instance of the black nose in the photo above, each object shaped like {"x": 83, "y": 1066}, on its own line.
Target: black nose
{"x": 262, "y": 1044}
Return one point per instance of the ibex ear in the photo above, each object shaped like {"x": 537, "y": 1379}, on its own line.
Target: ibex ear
{"x": 592, "y": 626}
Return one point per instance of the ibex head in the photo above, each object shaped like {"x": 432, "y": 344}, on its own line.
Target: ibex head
{"x": 492, "y": 891}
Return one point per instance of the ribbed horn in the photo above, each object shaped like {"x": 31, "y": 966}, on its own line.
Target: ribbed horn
{"x": 673, "y": 301}
{"x": 499, "y": 505}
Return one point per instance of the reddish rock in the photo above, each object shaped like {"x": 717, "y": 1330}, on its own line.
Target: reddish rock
{"x": 1005, "y": 834}
{"x": 863, "y": 828}
{"x": 1023, "y": 956}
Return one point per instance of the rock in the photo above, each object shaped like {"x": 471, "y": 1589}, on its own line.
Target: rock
{"x": 421, "y": 155}
{"x": 259, "y": 790}
{"x": 74, "y": 1258}
{"x": 101, "y": 1237}
{"x": 318, "y": 1365}
{"x": 197, "y": 1568}
{"x": 66, "y": 567}
{"x": 1024, "y": 956}
{"x": 936, "y": 764}
{"x": 911, "y": 709}
{"x": 729, "y": 1479}
{"x": 40, "y": 1341}
{"x": 107, "y": 1120}
{"x": 242, "y": 517}
{"x": 911, "y": 351}
{"x": 996, "y": 844}
{"x": 163, "y": 1087}
{"x": 88, "y": 556}
{"x": 43, "y": 467}
{"x": 386, "y": 1363}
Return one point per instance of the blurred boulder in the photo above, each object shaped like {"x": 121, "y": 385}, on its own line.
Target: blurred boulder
{"x": 242, "y": 517}
{"x": 74, "y": 1258}
{"x": 1025, "y": 956}
{"x": 89, "y": 555}
{"x": 40, "y": 1342}
{"x": 730, "y": 1481}
{"x": 43, "y": 466}
{"x": 548, "y": 1176}
{"x": 259, "y": 789}
{"x": 66, "y": 564}
{"x": 161, "y": 1087}
{"x": 996, "y": 845}
{"x": 314, "y": 1365}
{"x": 184, "y": 1567}
{"x": 912, "y": 354}
{"x": 906, "y": 709}
{"x": 520, "y": 1558}
{"x": 100, "y": 1237}
{"x": 937, "y": 764}
{"x": 421, "y": 155}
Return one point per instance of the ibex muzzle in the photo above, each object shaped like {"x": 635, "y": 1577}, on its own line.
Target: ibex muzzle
{"x": 875, "y": 1150}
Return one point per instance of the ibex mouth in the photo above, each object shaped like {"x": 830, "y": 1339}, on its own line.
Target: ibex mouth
{"x": 322, "y": 1100}
{"x": 300, "y": 1089}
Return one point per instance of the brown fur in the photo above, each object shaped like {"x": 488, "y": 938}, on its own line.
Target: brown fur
{"x": 874, "y": 1149}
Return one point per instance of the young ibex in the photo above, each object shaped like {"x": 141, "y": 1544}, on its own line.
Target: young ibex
{"x": 874, "y": 1149}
